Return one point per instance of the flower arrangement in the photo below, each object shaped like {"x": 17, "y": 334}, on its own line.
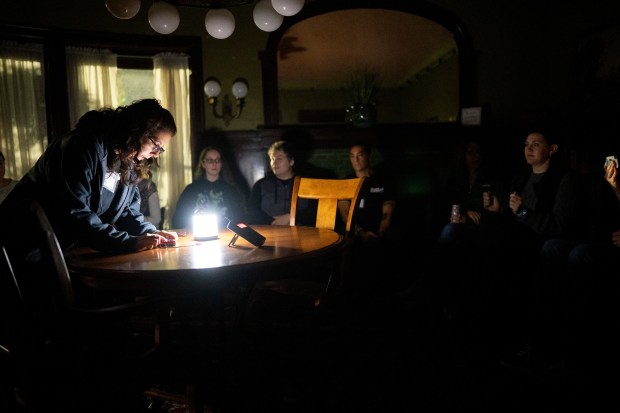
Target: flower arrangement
{"x": 363, "y": 85}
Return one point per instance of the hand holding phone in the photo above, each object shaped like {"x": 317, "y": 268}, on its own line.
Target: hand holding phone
{"x": 611, "y": 159}
{"x": 488, "y": 189}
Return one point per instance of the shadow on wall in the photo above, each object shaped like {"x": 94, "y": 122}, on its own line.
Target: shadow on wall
{"x": 303, "y": 146}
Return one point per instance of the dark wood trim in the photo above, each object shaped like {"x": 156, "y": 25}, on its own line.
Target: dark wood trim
{"x": 468, "y": 84}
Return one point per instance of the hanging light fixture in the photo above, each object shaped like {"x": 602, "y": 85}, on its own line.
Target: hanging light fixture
{"x": 212, "y": 89}
{"x": 220, "y": 23}
{"x": 287, "y": 7}
{"x": 265, "y": 17}
{"x": 163, "y": 17}
{"x": 123, "y": 9}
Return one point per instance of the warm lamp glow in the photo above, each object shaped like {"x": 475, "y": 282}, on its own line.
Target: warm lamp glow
{"x": 265, "y": 17}
{"x": 287, "y": 7}
{"x": 123, "y": 9}
{"x": 220, "y": 23}
{"x": 205, "y": 226}
{"x": 163, "y": 17}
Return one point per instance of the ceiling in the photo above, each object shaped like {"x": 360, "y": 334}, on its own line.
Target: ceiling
{"x": 213, "y": 4}
{"x": 322, "y": 51}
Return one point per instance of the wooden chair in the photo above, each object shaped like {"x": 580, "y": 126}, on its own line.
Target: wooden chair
{"x": 329, "y": 193}
{"x": 333, "y": 196}
{"x": 50, "y": 332}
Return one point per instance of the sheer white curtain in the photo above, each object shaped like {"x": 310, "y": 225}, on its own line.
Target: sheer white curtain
{"x": 23, "y": 124}
{"x": 91, "y": 80}
{"x": 171, "y": 76}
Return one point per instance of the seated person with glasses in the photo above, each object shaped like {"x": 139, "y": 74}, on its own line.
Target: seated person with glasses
{"x": 210, "y": 191}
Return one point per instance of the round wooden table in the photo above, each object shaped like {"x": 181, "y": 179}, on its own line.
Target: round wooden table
{"x": 197, "y": 264}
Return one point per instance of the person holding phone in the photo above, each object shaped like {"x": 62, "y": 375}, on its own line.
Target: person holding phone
{"x": 471, "y": 178}
{"x": 577, "y": 289}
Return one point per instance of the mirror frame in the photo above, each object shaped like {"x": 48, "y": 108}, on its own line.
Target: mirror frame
{"x": 466, "y": 61}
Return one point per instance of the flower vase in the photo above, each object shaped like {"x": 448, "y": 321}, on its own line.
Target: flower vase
{"x": 361, "y": 114}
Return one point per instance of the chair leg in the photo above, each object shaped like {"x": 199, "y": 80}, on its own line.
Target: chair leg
{"x": 195, "y": 398}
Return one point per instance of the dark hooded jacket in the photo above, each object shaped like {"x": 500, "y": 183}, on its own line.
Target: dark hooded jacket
{"x": 72, "y": 183}
{"x": 271, "y": 196}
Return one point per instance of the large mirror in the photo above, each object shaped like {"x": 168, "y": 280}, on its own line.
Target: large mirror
{"x": 420, "y": 55}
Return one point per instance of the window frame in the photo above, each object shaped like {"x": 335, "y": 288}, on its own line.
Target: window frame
{"x": 131, "y": 55}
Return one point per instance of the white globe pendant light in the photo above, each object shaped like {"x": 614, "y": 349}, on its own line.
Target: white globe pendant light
{"x": 265, "y": 17}
{"x": 220, "y": 23}
{"x": 163, "y": 17}
{"x": 123, "y": 9}
{"x": 287, "y": 7}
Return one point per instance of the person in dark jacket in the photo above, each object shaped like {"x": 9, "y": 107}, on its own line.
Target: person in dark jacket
{"x": 87, "y": 181}
{"x": 538, "y": 225}
{"x": 270, "y": 197}
{"x": 497, "y": 268}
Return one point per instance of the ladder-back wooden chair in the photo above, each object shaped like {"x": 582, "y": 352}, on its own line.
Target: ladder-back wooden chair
{"x": 330, "y": 194}
{"x": 334, "y": 196}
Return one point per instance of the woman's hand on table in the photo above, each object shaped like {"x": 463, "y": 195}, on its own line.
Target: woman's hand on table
{"x": 150, "y": 241}
{"x": 169, "y": 235}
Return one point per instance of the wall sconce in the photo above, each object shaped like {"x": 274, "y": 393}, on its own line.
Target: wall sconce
{"x": 213, "y": 88}
{"x": 204, "y": 226}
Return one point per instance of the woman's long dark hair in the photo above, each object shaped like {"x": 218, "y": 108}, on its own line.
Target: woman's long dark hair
{"x": 125, "y": 129}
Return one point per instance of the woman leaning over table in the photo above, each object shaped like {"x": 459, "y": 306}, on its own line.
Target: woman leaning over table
{"x": 87, "y": 181}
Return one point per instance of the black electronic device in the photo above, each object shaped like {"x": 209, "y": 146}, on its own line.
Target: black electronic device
{"x": 244, "y": 231}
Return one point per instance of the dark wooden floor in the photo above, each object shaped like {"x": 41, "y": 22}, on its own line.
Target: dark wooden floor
{"x": 391, "y": 352}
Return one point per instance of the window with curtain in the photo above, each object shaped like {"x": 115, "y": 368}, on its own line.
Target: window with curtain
{"x": 91, "y": 80}
{"x": 23, "y": 123}
{"x": 171, "y": 75}
{"x": 93, "y": 83}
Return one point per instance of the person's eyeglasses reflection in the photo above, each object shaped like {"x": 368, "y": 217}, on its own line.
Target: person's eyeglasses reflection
{"x": 156, "y": 147}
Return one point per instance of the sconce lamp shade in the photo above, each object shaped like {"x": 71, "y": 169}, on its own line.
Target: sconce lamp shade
{"x": 220, "y": 23}
{"x": 163, "y": 17}
{"x": 265, "y": 17}
{"x": 240, "y": 89}
{"x": 123, "y": 9}
{"x": 212, "y": 88}
{"x": 287, "y": 7}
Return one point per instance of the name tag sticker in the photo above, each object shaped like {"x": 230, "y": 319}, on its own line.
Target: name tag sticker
{"x": 111, "y": 180}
